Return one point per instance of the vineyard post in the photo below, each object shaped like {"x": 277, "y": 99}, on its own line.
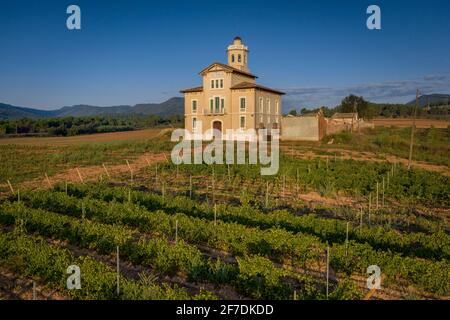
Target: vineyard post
{"x": 327, "y": 162}
{"x": 296, "y": 181}
{"x": 118, "y": 270}
{"x": 34, "y": 291}
{"x": 229, "y": 175}
{"x": 377, "y": 197}
{"x": 213, "y": 187}
{"x": 284, "y": 185}
{"x": 361, "y": 220}
{"x": 267, "y": 194}
{"x": 131, "y": 171}
{"x": 48, "y": 180}
{"x": 156, "y": 173}
{"x": 190, "y": 186}
{"x": 79, "y": 175}
{"x": 83, "y": 211}
{"x": 176, "y": 231}
{"x": 370, "y": 202}
{"x": 106, "y": 171}
{"x": 215, "y": 214}
{"x": 346, "y": 240}
{"x": 295, "y": 294}
{"x": 10, "y": 186}
{"x": 382, "y": 197}
{"x": 328, "y": 267}
{"x": 163, "y": 190}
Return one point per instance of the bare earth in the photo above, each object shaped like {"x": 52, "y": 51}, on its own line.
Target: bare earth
{"x": 98, "y": 137}
{"x": 420, "y": 123}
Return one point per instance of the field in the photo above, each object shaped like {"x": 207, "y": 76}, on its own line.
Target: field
{"x": 225, "y": 231}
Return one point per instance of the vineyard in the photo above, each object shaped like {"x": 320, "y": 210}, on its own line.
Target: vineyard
{"x": 226, "y": 232}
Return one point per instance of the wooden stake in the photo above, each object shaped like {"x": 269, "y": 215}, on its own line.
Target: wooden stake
{"x": 382, "y": 204}
{"x": 48, "y": 180}
{"x": 176, "y": 231}
{"x": 346, "y": 240}
{"x": 190, "y": 186}
{"x": 131, "y": 171}
{"x": 215, "y": 214}
{"x": 106, "y": 170}
{"x": 328, "y": 267}
{"x": 34, "y": 291}
{"x": 377, "y": 197}
{"x": 79, "y": 175}
{"x": 412, "y": 131}
{"x": 10, "y": 186}
{"x": 118, "y": 271}
{"x": 267, "y": 194}
{"x": 229, "y": 174}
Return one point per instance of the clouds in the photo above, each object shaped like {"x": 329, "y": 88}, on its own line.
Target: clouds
{"x": 400, "y": 91}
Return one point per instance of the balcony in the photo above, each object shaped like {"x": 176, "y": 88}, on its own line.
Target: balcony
{"x": 218, "y": 112}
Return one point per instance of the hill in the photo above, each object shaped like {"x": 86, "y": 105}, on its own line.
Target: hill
{"x": 173, "y": 106}
{"x": 432, "y": 99}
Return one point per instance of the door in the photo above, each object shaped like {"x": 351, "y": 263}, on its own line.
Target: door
{"x": 217, "y": 125}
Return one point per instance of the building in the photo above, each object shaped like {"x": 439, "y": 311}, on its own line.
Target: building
{"x": 230, "y": 98}
{"x": 308, "y": 127}
{"x": 343, "y": 122}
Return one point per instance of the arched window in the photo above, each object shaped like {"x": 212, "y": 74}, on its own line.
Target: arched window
{"x": 239, "y": 58}
{"x": 232, "y": 58}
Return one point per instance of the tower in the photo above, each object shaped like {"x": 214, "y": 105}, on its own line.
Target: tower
{"x": 238, "y": 55}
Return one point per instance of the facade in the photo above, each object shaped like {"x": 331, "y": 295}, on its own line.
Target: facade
{"x": 230, "y": 98}
{"x": 308, "y": 127}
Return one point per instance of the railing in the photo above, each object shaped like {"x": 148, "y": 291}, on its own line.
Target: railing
{"x": 207, "y": 112}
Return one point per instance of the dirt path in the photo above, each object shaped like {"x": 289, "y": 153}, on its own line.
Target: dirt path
{"x": 13, "y": 287}
{"x": 93, "y": 173}
{"x": 367, "y": 156}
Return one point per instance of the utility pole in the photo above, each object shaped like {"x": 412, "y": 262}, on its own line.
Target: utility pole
{"x": 412, "y": 130}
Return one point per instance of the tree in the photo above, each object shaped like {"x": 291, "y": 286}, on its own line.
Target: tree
{"x": 354, "y": 103}
{"x": 293, "y": 112}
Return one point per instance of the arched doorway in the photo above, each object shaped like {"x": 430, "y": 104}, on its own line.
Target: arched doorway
{"x": 217, "y": 125}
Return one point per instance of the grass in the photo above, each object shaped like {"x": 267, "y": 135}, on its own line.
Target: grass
{"x": 430, "y": 145}
{"x": 25, "y": 162}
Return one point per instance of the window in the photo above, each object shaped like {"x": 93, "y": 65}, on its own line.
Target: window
{"x": 242, "y": 122}
{"x": 217, "y": 104}
{"x": 268, "y": 106}
{"x": 261, "y": 119}
{"x": 222, "y": 105}
{"x": 239, "y": 58}
{"x": 232, "y": 58}
{"x": 194, "y": 123}
{"x": 194, "y": 106}
{"x": 216, "y": 83}
{"x": 277, "y": 106}
{"x": 242, "y": 104}
{"x": 261, "y": 105}
{"x": 211, "y": 105}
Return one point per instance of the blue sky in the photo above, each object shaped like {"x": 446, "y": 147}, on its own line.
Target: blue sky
{"x": 130, "y": 52}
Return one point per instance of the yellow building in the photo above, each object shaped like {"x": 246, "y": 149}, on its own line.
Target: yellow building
{"x": 230, "y": 98}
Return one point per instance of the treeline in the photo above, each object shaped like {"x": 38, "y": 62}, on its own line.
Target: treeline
{"x": 71, "y": 126}
{"x": 369, "y": 110}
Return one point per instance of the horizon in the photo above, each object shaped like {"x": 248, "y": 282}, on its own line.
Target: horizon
{"x": 128, "y": 53}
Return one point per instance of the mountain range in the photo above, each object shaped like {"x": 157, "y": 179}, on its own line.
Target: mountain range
{"x": 432, "y": 99}
{"x": 173, "y": 106}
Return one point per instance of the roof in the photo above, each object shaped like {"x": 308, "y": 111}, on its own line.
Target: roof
{"x": 250, "y": 85}
{"x": 232, "y": 69}
{"x": 195, "y": 89}
{"x": 344, "y": 115}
